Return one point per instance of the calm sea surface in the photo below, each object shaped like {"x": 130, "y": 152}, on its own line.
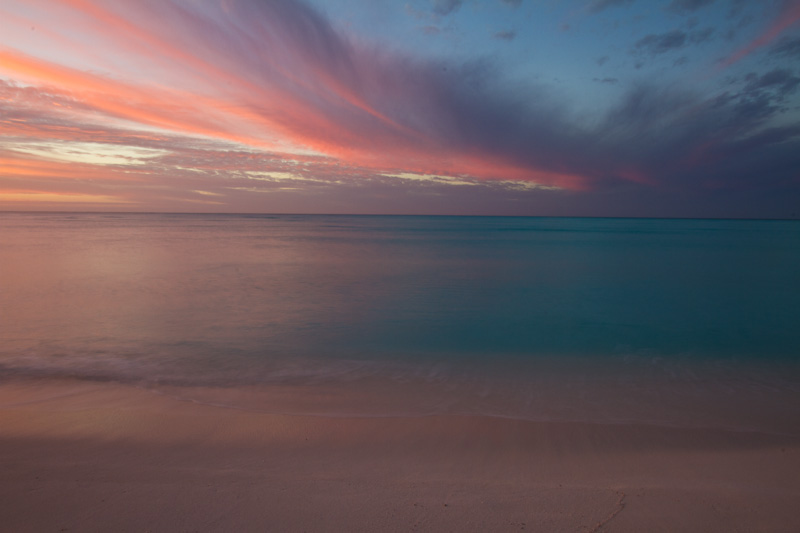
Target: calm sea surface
{"x": 691, "y": 322}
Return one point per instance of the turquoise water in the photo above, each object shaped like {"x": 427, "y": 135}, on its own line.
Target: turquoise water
{"x": 504, "y": 305}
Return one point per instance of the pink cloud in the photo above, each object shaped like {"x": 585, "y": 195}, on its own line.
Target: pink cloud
{"x": 272, "y": 74}
{"x": 236, "y": 86}
{"x": 788, "y": 17}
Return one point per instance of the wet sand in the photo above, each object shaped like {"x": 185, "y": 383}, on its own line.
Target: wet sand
{"x": 91, "y": 456}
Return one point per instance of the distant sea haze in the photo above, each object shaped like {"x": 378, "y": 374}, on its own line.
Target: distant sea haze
{"x": 380, "y": 315}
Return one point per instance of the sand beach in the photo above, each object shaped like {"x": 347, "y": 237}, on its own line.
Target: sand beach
{"x": 95, "y": 456}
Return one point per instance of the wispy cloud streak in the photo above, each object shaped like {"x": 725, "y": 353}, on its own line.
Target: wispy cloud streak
{"x": 245, "y": 95}
{"x": 279, "y": 70}
{"x": 788, "y": 16}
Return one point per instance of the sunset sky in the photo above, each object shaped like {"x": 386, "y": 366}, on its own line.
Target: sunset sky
{"x": 519, "y": 107}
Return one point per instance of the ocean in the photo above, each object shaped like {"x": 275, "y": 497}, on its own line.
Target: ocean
{"x": 671, "y": 322}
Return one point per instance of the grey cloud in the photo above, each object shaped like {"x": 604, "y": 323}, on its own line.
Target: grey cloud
{"x": 749, "y": 109}
{"x": 667, "y": 138}
{"x": 673, "y": 137}
{"x": 445, "y": 7}
{"x": 781, "y": 81}
{"x": 685, "y": 6}
{"x": 701, "y": 36}
{"x": 744, "y": 20}
{"x": 418, "y": 15}
{"x": 736, "y": 8}
{"x": 599, "y": 5}
{"x": 786, "y": 47}
{"x": 507, "y": 35}
{"x": 661, "y": 43}
{"x": 607, "y": 80}
{"x": 682, "y": 141}
{"x": 768, "y": 137}
{"x": 512, "y": 3}
{"x": 677, "y": 140}
{"x": 602, "y": 60}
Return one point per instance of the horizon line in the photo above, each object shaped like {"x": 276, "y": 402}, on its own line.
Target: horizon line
{"x": 257, "y": 214}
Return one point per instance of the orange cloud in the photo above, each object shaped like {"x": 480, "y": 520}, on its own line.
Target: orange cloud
{"x": 285, "y": 96}
{"x": 46, "y": 197}
{"x": 20, "y": 166}
{"x": 169, "y": 109}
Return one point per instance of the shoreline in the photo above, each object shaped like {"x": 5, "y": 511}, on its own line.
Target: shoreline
{"x": 88, "y": 456}
{"x": 744, "y": 396}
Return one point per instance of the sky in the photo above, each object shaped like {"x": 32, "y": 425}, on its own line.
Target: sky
{"x": 662, "y": 108}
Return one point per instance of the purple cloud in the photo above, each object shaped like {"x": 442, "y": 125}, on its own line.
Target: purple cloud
{"x": 369, "y": 111}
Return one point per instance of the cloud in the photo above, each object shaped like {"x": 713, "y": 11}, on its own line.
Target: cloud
{"x": 599, "y": 5}
{"x": 786, "y": 47}
{"x": 431, "y": 179}
{"x": 788, "y": 16}
{"x": 445, "y": 7}
{"x": 87, "y": 152}
{"x": 686, "y": 6}
{"x": 661, "y": 43}
{"x": 512, "y": 3}
{"x": 275, "y": 88}
{"x": 611, "y": 81}
{"x": 678, "y": 140}
{"x": 780, "y": 82}
{"x": 736, "y": 7}
{"x": 279, "y": 68}
{"x": 506, "y": 35}
{"x": 416, "y": 14}
{"x": 701, "y": 36}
